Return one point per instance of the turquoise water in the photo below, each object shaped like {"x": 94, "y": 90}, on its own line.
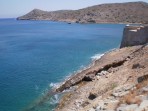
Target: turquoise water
{"x": 34, "y": 55}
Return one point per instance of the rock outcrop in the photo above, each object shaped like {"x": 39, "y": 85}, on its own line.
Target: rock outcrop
{"x": 134, "y": 35}
{"x": 132, "y": 12}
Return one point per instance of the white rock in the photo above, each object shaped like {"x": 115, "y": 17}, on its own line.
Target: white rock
{"x": 122, "y": 105}
{"x": 120, "y": 94}
{"x": 98, "y": 108}
{"x": 98, "y": 77}
{"x": 104, "y": 72}
{"x": 123, "y": 93}
{"x": 129, "y": 87}
{"x": 112, "y": 105}
{"x": 92, "y": 109}
{"x": 131, "y": 107}
{"x": 115, "y": 94}
{"x": 99, "y": 74}
{"x": 144, "y": 97}
{"x": 145, "y": 89}
{"x": 144, "y": 105}
{"x": 110, "y": 98}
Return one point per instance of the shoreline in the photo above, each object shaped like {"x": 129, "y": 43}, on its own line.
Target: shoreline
{"x": 55, "y": 86}
{"x": 81, "y": 70}
{"x": 67, "y": 78}
{"x": 54, "y": 89}
{"x": 74, "y": 22}
{"x": 116, "y": 65}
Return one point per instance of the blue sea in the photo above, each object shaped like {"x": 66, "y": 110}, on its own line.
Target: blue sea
{"x": 37, "y": 55}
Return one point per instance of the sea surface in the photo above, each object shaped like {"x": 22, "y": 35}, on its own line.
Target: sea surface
{"x": 37, "y": 55}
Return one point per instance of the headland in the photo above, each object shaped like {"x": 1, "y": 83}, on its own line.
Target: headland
{"x": 130, "y": 12}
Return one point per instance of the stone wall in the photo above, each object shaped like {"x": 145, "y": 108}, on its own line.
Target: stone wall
{"x": 134, "y": 35}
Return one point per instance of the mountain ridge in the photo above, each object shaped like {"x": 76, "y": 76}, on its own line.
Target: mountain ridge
{"x": 129, "y": 12}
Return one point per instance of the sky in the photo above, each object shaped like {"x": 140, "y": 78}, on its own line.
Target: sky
{"x": 15, "y": 8}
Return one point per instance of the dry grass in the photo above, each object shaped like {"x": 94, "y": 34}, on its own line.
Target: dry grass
{"x": 132, "y": 99}
{"x": 114, "y": 85}
{"x": 133, "y": 96}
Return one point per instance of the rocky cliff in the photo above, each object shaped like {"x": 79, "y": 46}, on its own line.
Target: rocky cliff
{"x": 118, "y": 81}
{"x": 134, "y": 35}
{"x": 132, "y": 12}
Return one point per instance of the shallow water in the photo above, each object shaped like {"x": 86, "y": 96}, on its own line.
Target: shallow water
{"x": 36, "y": 54}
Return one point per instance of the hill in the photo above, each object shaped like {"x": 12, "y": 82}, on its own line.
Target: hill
{"x": 131, "y": 12}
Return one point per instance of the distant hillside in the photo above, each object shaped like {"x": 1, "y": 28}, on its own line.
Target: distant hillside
{"x": 131, "y": 12}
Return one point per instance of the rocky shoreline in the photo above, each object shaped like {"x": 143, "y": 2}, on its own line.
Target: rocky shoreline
{"x": 118, "y": 81}
{"x": 108, "y": 83}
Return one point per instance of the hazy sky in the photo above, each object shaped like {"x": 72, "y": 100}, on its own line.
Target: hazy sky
{"x": 14, "y": 8}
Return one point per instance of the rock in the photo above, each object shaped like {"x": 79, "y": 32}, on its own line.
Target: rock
{"x": 92, "y": 96}
{"x": 99, "y": 74}
{"x": 112, "y": 105}
{"x": 122, "y": 105}
{"x": 85, "y": 103}
{"x": 144, "y": 105}
{"x": 135, "y": 66}
{"x": 131, "y": 107}
{"x": 92, "y": 109}
{"x": 100, "y": 105}
{"x": 110, "y": 98}
{"x": 143, "y": 97}
{"x": 98, "y": 108}
{"x": 120, "y": 94}
{"x": 102, "y": 73}
{"x": 115, "y": 94}
{"x": 107, "y": 105}
{"x": 123, "y": 90}
{"x": 98, "y": 77}
{"x": 89, "y": 77}
{"x": 129, "y": 87}
{"x": 145, "y": 89}
{"x": 134, "y": 35}
{"x": 142, "y": 78}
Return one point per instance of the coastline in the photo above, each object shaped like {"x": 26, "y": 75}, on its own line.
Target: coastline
{"x": 102, "y": 13}
{"x": 107, "y": 82}
{"x": 94, "y": 58}
{"x": 139, "y": 23}
{"x": 37, "y": 88}
{"x": 112, "y": 69}
{"x": 55, "y": 95}
{"x": 54, "y": 91}
{"x": 77, "y": 83}
{"x": 110, "y": 63}
{"x": 81, "y": 71}
{"x": 91, "y": 64}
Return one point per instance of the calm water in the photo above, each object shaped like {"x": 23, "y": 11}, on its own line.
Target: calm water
{"x": 36, "y": 54}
